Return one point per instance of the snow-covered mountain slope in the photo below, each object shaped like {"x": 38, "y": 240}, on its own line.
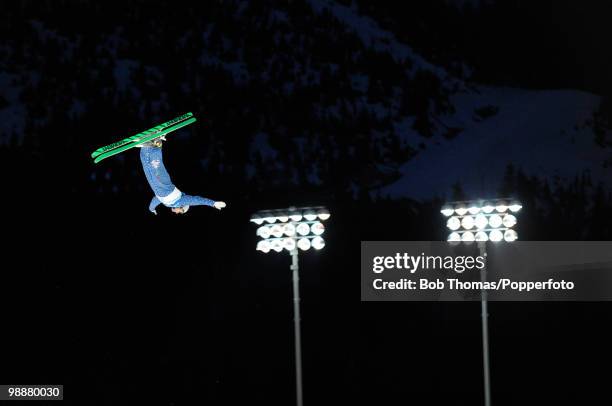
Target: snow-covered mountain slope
{"x": 374, "y": 37}
{"x": 544, "y": 133}
{"x": 306, "y": 93}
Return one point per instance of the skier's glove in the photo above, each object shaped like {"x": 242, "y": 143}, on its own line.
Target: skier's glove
{"x": 219, "y": 205}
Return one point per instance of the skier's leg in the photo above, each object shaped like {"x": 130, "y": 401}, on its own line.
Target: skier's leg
{"x": 145, "y": 160}
{"x": 155, "y": 171}
{"x": 157, "y": 162}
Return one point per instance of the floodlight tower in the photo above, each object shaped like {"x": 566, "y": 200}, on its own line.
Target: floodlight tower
{"x": 291, "y": 230}
{"x": 482, "y": 221}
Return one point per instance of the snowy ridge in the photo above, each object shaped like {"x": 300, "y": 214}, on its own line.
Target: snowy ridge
{"x": 373, "y": 36}
{"x": 308, "y": 85}
{"x": 533, "y": 130}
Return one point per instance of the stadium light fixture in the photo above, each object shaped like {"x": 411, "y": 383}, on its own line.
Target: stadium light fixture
{"x": 493, "y": 218}
{"x": 292, "y": 230}
{"x": 482, "y": 221}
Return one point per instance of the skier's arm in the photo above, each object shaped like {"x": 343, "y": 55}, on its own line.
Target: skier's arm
{"x": 153, "y": 205}
{"x": 188, "y": 200}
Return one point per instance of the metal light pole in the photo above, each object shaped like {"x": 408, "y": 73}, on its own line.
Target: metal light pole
{"x": 485, "y": 326}
{"x": 296, "y": 326}
{"x": 292, "y": 229}
{"x": 482, "y": 221}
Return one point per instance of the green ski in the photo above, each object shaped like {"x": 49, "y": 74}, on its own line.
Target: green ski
{"x": 127, "y": 143}
{"x": 139, "y": 136}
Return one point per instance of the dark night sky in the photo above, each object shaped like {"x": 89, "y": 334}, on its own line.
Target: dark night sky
{"x": 542, "y": 44}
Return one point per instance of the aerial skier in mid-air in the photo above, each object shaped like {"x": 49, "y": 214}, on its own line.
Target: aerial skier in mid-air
{"x": 150, "y": 144}
{"x": 159, "y": 180}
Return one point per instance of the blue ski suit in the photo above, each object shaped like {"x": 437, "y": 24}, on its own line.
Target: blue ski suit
{"x": 159, "y": 180}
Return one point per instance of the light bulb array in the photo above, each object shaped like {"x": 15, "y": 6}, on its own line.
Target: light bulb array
{"x": 482, "y": 220}
{"x": 290, "y": 228}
